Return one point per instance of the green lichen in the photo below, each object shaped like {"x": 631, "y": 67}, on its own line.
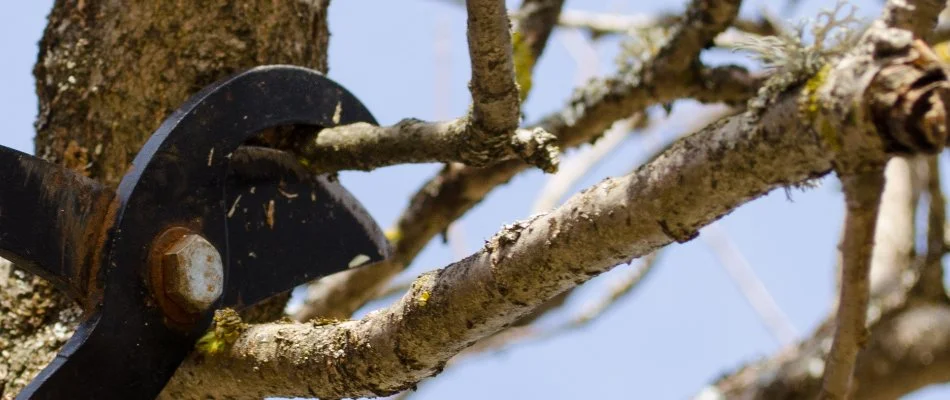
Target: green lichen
{"x": 791, "y": 60}
{"x": 809, "y": 106}
{"x": 228, "y": 326}
{"x": 393, "y": 235}
{"x": 421, "y": 286}
{"x": 523, "y": 59}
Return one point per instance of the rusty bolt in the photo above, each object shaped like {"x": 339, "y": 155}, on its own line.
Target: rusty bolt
{"x": 193, "y": 273}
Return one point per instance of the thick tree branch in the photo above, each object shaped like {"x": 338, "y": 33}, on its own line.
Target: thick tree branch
{"x": 697, "y": 180}
{"x": 862, "y": 197}
{"x": 458, "y": 188}
{"x": 592, "y": 111}
{"x": 701, "y": 178}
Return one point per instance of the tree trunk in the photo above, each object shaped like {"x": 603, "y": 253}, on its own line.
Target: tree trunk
{"x": 108, "y": 73}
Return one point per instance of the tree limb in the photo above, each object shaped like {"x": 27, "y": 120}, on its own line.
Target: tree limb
{"x": 698, "y": 180}
{"x": 589, "y": 113}
{"x": 701, "y": 178}
{"x": 599, "y": 24}
{"x": 561, "y": 183}
{"x": 534, "y": 21}
{"x": 930, "y": 285}
{"x": 366, "y": 147}
{"x": 862, "y": 197}
{"x": 488, "y": 134}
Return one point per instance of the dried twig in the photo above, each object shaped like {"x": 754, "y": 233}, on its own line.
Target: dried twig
{"x": 487, "y": 135}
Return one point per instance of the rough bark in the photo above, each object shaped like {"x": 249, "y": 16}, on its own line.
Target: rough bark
{"x": 592, "y": 110}
{"x": 365, "y": 147}
{"x": 108, "y": 73}
{"x": 862, "y": 197}
{"x": 486, "y": 135}
{"x": 697, "y": 180}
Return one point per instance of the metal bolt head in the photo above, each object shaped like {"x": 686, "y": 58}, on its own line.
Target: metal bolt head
{"x": 193, "y": 273}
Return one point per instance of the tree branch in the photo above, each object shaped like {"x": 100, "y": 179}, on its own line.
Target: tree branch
{"x": 561, "y": 183}
{"x": 593, "y": 109}
{"x": 488, "y": 134}
{"x": 862, "y": 196}
{"x": 696, "y": 181}
{"x": 599, "y": 24}
{"x": 930, "y": 284}
{"x": 534, "y": 21}
{"x": 701, "y": 178}
{"x": 366, "y": 147}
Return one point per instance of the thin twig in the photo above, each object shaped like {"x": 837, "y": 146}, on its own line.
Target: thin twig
{"x": 930, "y": 284}
{"x": 862, "y": 197}
{"x": 599, "y": 24}
{"x": 488, "y": 134}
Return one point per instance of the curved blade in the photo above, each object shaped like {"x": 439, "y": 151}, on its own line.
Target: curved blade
{"x": 180, "y": 179}
{"x": 287, "y": 227}
{"x": 48, "y": 215}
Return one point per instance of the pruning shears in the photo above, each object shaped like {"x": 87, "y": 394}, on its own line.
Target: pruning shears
{"x": 197, "y": 224}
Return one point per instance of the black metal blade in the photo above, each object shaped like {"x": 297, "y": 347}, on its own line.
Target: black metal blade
{"x": 48, "y": 217}
{"x": 180, "y": 179}
{"x": 287, "y": 227}
{"x": 108, "y": 359}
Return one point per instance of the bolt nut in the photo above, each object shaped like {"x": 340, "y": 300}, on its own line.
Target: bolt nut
{"x": 193, "y": 273}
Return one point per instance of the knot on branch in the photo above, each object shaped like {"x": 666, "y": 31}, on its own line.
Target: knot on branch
{"x": 909, "y": 100}
{"x": 533, "y": 146}
{"x": 537, "y": 147}
{"x": 228, "y": 326}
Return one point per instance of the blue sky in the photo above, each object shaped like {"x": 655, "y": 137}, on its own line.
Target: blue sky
{"x": 683, "y": 327}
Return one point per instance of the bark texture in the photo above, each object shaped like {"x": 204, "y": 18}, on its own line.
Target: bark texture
{"x": 108, "y": 73}
{"x": 696, "y": 181}
{"x": 862, "y": 196}
{"x": 592, "y": 110}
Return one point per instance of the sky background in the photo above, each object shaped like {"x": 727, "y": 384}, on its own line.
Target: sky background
{"x": 684, "y": 326}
